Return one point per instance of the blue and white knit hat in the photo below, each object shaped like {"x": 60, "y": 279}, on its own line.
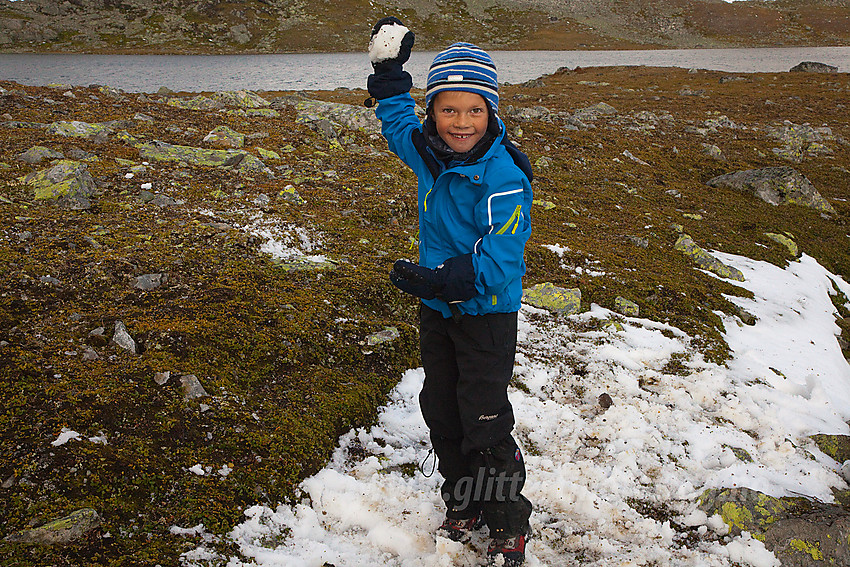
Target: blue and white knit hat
{"x": 463, "y": 67}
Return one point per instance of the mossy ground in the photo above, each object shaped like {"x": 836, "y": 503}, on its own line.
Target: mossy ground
{"x": 279, "y": 351}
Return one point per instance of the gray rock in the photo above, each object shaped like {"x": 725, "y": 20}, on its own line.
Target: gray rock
{"x": 338, "y": 114}
{"x": 594, "y": 112}
{"x": 192, "y": 388}
{"x": 813, "y": 67}
{"x": 37, "y": 154}
{"x": 388, "y": 335}
{"x": 62, "y": 531}
{"x": 775, "y": 185}
{"x": 163, "y": 201}
{"x": 713, "y": 151}
{"x": 147, "y": 282}
{"x": 240, "y": 34}
{"x": 123, "y": 339}
{"x": 67, "y": 182}
{"x": 225, "y": 137}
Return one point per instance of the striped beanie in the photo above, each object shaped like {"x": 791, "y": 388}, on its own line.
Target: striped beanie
{"x": 463, "y": 67}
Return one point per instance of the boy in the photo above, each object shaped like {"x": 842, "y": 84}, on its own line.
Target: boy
{"x": 474, "y": 204}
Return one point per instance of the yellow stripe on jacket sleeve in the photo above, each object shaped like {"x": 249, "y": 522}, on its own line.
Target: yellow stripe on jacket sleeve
{"x": 513, "y": 220}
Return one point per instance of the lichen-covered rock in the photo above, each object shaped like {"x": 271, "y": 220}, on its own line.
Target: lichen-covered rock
{"x": 68, "y": 182}
{"x": 346, "y": 115}
{"x": 626, "y": 307}
{"x": 553, "y": 298}
{"x": 382, "y": 337}
{"x": 290, "y": 195}
{"x": 220, "y": 100}
{"x": 836, "y": 446}
{"x": 785, "y": 241}
{"x": 240, "y": 99}
{"x": 775, "y": 185}
{"x": 77, "y": 129}
{"x": 800, "y": 532}
{"x": 268, "y": 154}
{"x": 62, "y": 531}
{"x": 705, "y": 260}
{"x": 225, "y": 137}
{"x": 37, "y": 154}
{"x": 161, "y": 151}
{"x": 199, "y": 102}
{"x": 252, "y": 165}
{"x": 801, "y": 140}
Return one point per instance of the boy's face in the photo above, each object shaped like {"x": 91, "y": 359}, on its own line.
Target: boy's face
{"x": 461, "y": 118}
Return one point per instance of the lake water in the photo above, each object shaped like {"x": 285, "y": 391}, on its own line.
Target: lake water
{"x": 147, "y": 73}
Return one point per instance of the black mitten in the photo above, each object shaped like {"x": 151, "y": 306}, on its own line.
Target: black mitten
{"x": 389, "y": 50}
{"x": 453, "y": 281}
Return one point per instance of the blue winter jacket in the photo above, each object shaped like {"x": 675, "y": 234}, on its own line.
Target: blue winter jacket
{"x": 483, "y": 208}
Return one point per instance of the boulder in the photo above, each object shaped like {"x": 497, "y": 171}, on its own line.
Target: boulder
{"x": 161, "y": 151}
{"x": 775, "y": 185}
{"x": 553, "y": 298}
{"x": 78, "y": 129}
{"x": 62, "y": 531}
{"x": 225, "y": 137}
{"x": 814, "y": 67}
{"x": 345, "y": 115}
{"x": 220, "y": 100}
{"x": 67, "y": 182}
{"x": 37, "y": 154}
{"x": 801, "y": 140}
{"x": 800, "y": 532}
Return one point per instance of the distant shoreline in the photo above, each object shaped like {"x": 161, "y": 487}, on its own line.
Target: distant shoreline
{"x": 329, "y": 71}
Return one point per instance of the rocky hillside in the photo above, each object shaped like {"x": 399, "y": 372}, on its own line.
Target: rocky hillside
{"x": 193, "y": 292}
{"x": 275, "y": 26}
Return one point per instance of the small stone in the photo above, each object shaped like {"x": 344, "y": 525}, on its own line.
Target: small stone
{"x": 388, "y": 335}
{"x": 162, "y": 377}
{"x": 148, "y": 282}
{"x": 123, "y": 339}
{"x": 192, "y": 387}
{"x": 90, "y": 354}
{"x": 605, "y": 401}
{"x": 626, "y": 307}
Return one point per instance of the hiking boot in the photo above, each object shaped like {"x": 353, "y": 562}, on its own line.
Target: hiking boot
{"x": 508, "y": 552}
{"x": 460, "y": 530}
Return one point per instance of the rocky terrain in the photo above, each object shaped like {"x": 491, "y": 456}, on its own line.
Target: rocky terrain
{"x": 193, "y": 292}
{"x": 278, "y": 26}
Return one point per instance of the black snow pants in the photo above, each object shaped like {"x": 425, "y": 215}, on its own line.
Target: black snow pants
{"x": 468, "y": 363}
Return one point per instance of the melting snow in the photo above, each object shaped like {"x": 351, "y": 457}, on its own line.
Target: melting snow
{"x": 676, "y": 428}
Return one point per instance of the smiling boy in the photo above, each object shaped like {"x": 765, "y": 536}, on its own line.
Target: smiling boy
{"x": 474, "y": 195}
